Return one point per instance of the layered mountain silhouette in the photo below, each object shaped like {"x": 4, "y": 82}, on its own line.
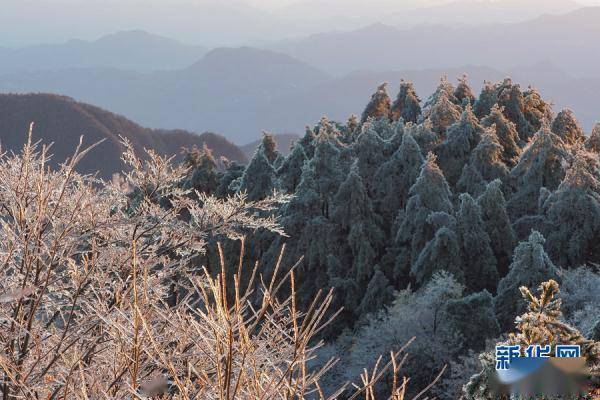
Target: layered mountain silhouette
{"x": 61, "y": 121}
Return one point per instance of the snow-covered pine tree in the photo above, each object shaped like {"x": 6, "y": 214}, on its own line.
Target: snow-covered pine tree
{"x": 395, "y": 177}
{"x": 593, "y": 142}
{"x": 565, "y": 125}
{"x": 461, "y": 138}
{"x": 478, "y": 261}
{"x": 497, "y": 225}
{"x": 530, "y": 267}
{"x": 429, "y": 194}
{"x": 290, "y": 171}
{"x": 463, "y": 90}
{"x": 573, "y": 212}
{"x": 443, "y": 113}
{"x": 506, "y": 132}
{"x": 233, "y": 172}
{"x": 268, "y": 146}
{"x": 442, "y": 253}
{"x": 486, "y": 100}
{"x": 379, "y": 106}
{"x": 368, "y": 149}
{"x": 203, "y": 175}
{"x": 543, "y": 163}
{"x": 258, "y": 180}
{"x": 407, "y": 104}
{"x": 487, "y": 157}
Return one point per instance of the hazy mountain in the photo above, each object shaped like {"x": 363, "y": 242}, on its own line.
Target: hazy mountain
{"x": 232, "y": 91}
{"x": 570, "y": 41}
{"x": 61, "y": 120}
{"x": 284, "y": 144}
{"x": 135, "y": 50}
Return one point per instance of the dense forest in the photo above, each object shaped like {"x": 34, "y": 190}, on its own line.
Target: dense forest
{"x": 393, "y": 250}
{"x": 426, "y": 218}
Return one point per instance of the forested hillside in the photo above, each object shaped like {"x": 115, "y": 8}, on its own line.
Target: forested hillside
{"x": 426, "y": 217}
{"x": 62, "y": 121}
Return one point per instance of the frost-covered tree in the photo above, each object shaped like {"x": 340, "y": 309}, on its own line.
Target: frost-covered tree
{"x": 470, "y": 181}
{"x": 429, "y": 194}
{"x": 290, "y": 171}
{"x": 407, "y": 105}
{"x": 258, "y": 180}
{"x": 573, "y": 212}
{"x": 233, "y": 172}
{"x": 593, "y": 142}
{"x": 379, "y": 106}
{"x": 442, "y": 253}
{"x": 536, "y": 110}
{"x": 395, "y": 177}
{"x": 443, "y": 113}
{"x": 565, "y": 125}
{"x": 486, "y": 100}
{"x": 497, "y": 225}
{"x": 487, "y": 157}
{"x": 463, "y": 91}
{"x": 543, "y": 163}
{"x": 474, "y": 318}
{"x": 461, "y": 138}
{"x": 506, "y": 133}
{"x": 478, "y": 261}
{"x": 268, "y": 146}
{"x": 581, "y": 297}
{"x": 368, "y": 150}
{"x": 355, "y": 235}
{"x": 203, "y": 175}
{"x": 530, "y": 267}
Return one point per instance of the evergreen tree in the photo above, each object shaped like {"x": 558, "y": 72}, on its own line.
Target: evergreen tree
{"x": 461, "y": 138}
{"x": 530, "y": 267}
{"x": 486, "y": 100}
{"x": 268, "y": 146}
{"x": 536, "y": 110}
{"x": 379, "y": 106}
{"x": 290, "y": 171}
{"x": 463, "y": 91}
{"x": 407, "y": 105}
{"x": 369, "y": 151}
{"x": 478, "y": 259}
{"x": 443, "y": 113}
{"x": 429, "y": 194}
{"x": 442, "y": 253}
{"x": 497, "y": 225}
{"x": 203, "y": 175}
{"x": 567, "y": 128}
{"x": 378, "y": 293}
{"x": 445, "y": 88}
{"x": 424, "y": 136}
{"x": 470, "y": 181}
{"x": 573, "y": 212}
{"x": 474, "y": 318}
{"x": 543, "y": 163}
{"x": 487, "y": 157}
{"x": 506, "y": 132}
{"x": 395, "y": 177}
{"x": 258, "y": 180}
{"x": 233, "y": 172}
{"x": 593, "y": 142}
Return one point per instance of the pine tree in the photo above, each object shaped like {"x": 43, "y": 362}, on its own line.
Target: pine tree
{"x": 395, "y": 177}
{"x": 486, "y": 100}
{"x": 424, "y": 136}
{"x": 463, "y": 91}
{"x": 543, "y": 163}
{"x": 565, "y": 125}
{"x": 530, "y": 267}
{"x": 487, "y": 157}
{"x": 268, "y": 146}
{"x": 478, "y": 259}
{"x": 233, "y": 172}
{"x": 461, "y": 138}
{"x": 407, "y": 105}
{"x": 443, "y": 113}
{"x": 369, "y": 151}
{"x": 470, "y": 181}
{"x": 506, "y": 133}
{"x": 573, "y": 212}
{"x": 593, "y": 142}
{"x": 290, "y": 171}
{"x": 203, "y": 175}
{"x": 442, "y": 253}
{"x": 497, "y": 225}
{"x": 535, "y": 110}
{"x": 378, "y": 293}
{"x": 379, "y": 106}
{"x": 429, "y": 194}
{"x": 258, "y": 180}
{"x": 473, "y": 316}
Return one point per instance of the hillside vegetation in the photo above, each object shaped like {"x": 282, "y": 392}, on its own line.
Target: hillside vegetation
{"x": 61, "y": 121}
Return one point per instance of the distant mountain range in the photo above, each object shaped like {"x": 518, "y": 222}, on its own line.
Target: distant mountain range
{"x": 570, "y": 41}
{"x": 131, "y": 50}
{"x": 61, "y": 121}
